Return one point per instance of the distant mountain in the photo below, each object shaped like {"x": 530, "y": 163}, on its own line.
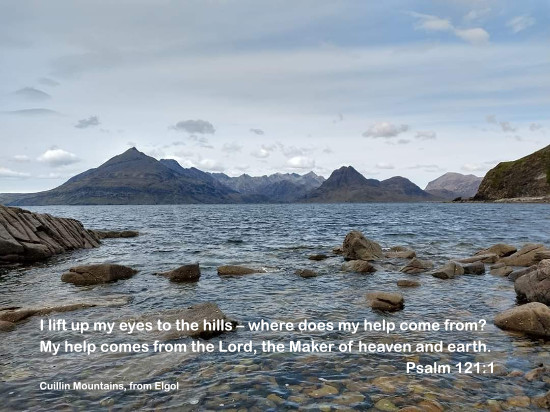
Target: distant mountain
{"x": 347, "y": 185}
{"x": 135, "y": 178}
{"x": 278, "y": 187}
{"x": 452, "y": 185}
{"x": 526, "y": 177}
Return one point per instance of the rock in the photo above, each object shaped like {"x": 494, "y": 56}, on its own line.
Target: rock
{"x": 358, "y": 247}
{"x": 400, "y": 252}
{"x": 17, "y": 314}
{"x": 385, "y": 301}
{"x": 30, "y": 237}
{"x": 518, "y": 402}
{"x": 96, "y": 274}
{"x": 185, "y": 273}
{"x": 531, "y": 318}
{"x": 430, "y": 406}
{"x": 306, "y": 273}
{"x": 318, "y": 257}
{"x": 542, "y": 401}
{"x": 233, "y": 270}
{"x": 111, "y": 234}
{"x": 486, "y": 258}
{"x": 386, "y": 405}
{"x": 338, "y": 250}
{"x": 500, "y": 249}
{"x": 417, "y": 266}
{"x": 359, "y": 266}
{"x": 545, "y": 254}
{"x": 535, "y": 286}
{"x": 516, "y": 274}
{"x": 323, "y": 391}
{"x": 537, "y": 373}
{"x": 476, "y": 268}
{"x": 449, "y": 271}
{"x": 500, "y": 269}
{"x": 525, "y": 256}
{"x": 6, "y": 326}
{"x": 406, "y": 283}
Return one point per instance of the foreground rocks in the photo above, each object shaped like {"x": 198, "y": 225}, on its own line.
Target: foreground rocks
{"x": 185, "y": 273}
{"x": 526, "y": 256}
{"x": 400, "y": 252}
{"x": 233, "y": 270}
{"x": 385, "y": 301}
{"x": 358, "y": 266}
{"x": 535, "y": 286}
{"x": 31, "y": 237}
{"x": 531, "y": 318}
{"x": 406, "y": 283}
{"x": 97, "y": 274}
{"x": 500, "y": 249}
{"x": 306, "y": 273}
{"x": 111, "y": 234}
{"x": 358, "y": 247}
{"x": 417, "y": 266}
{"x": 449, "y": 271}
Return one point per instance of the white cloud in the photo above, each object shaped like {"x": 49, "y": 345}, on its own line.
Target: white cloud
{"x": 91, "y": 121}
{"x": 263, "y": 152}
{"x": 258, "y": 132}
{"x": 535, "y": 126}
{"x": 301, "y": 162}
{"x": 477, "y": 14}
{"x": 431, "y": 23}
{"x": 473, "y": 167}
{"x": 58, "y": 157}
{"x": 507, "y": 127}
{"x": 384, "y": 165}
{"x": 426, "y": 134}
{"x": 491, "y": 118}
{"x": 475, "y": 36}
{"x": 385, "y": 130}
{"x": 210, "y": 165}
{"x": 21, "y": 158}
{"x": 231, "y": 147}
{"x": 520, "y": 23}
{"x": 195, "y": 126}
{"x": 5, "y": 172}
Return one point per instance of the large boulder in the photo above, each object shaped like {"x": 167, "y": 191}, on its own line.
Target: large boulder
{"x": 385, "y": 301}
{"x": 306, "y": 273}
{"x": 500, "y": 249}
{"x": 532, "y": 319}
{"x": 476, "y": 268}
{"x": 358, "y": 266}
{"x": 417, "y": 266}
{"x": 535, "y": 286}
{"x": 400, "y": 252}
{"x": 358, "y": 247}
{"x": 485, "y": 258}
{"x": 525, "y": 256}
{"x": 516, "y": 274}
{"x": 449, "y": 271}
{"x": 501, "y": 269}
{"x": 185, "y": 273}
{"x": 234, "y": 270}
{"x": 97, "y": 274}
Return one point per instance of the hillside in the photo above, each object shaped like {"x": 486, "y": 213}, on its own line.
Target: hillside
{"x": 452, "y": 185}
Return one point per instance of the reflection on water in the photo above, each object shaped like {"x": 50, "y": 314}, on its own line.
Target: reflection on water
{"x": 280, "y": 238}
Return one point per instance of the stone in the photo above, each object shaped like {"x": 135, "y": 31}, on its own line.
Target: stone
{"x": 417, "y": 266}
{"x": 430, "y": 406}
{"x": 306, "y": 273}
{"x": 338, "y": 250}
{"x": 518, "y": 401}
{"x": 516, "y": 274}
{"x": 323, "y": 391}
{"x": 358, "y": 266}
{"x": 542, "y": 401}
{"x": 385, "y": 301}
{"x": 545, "y": 254}
{"x": 400, "y": 252}
{"x": 525, "y": 256}
{"x": 535, "y": 286}
{"x": 537, "y": 373}
{"x": 185, "y": 273}
{"x": 358, "y": 247}
{"x": 111, "y": 234}
{"x": 476, "y": 268}
{"x": 485, "y": 258}
{"x": 6, "y": 326}
{"x": 386, "y": 405}
{"x": 449, "y": 271}
{"x": 500, "y": 249}
{"x": 318, "y": 257}
{"x": 234, "y": 270}
{"x": 97, "y": 274}
{"x": 531, "y": 319}
{"x": 501, "y": 269}
{"x": 406, "y": 283}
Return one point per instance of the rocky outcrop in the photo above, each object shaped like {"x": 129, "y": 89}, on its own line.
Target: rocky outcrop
{"x": 97, "y": 274}
{"x": 185, "y": 273}
{"x": 306, "y": 273}
{"x": 526, "y": 256}
{"x": 358, "y": 247}
{"x": 112, "y": 234}
{"x": 532, "y": 319}
{"x": 234, "y": 270}
{"x": 449, "y": 271}
{"x": 385, "y": 301}
{"x": 358, "y": 266}
{"x": 516, "y": 274}
{"x": 500, "y": 249}
{"x": 535, "y": 286}
{"x": 417, "y": 266}
{"x": 485, "y": 258}
{"x": 452, "y": 185}
{"x": 31, "y": 237}
{"x": 501, "y": 269}
{"x": 400, "y": 252}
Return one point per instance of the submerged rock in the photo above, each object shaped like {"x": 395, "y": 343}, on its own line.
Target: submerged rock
{"x": 385, "y": 301}
{"x": 476, "y": 268}
{"x": 449, "y": 271}
{"x": 500, "y": 249}
{"x": 318, "y": 257}
{"x": 96, "y": 274}
{"x": 525, "y": 256}
{"x": 185, "y": 273}
{"x": 406, "y": 283}
{"x": 358, "y": 247}
{"x": 531, "y": 318}
{"x": 31, "y": 237}
{"x": 358, "y": 266}
{"x": 501, "y": 269}
{"x": 6, "y": 326}
{"x": 233, "y": 270}
{"x": 417, "y": 266}
{"x": 542, "y": 401}
{"x": 111, "y": 234}
{"x": 306, "y": 273}
{"x": 400, "y": 252}
{"x": 535, "y": 286}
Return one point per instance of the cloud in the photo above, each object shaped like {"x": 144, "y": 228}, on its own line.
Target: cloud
{"x": 31, "y": 93}
{"x": 426, "y": 135}
{"x": 384, "y": 165}
{"x": 231, "y": 147}
{"x": 403, "y": 141}
{"x": 385, "y": 130}
{"x": 259, "y": 132}
{"x": 91, "y": 121}
{"x": 520, "y": 23}
{"x": 507, "y": 127}
{"x": 5, "y": 172}
{"x": 535, "y": 126}
{"x": 476, "y": 36}
{"x": 21, "y": 158}
{"x": 491, "y": 118}
{"x": 430, "y": 23}
{"x": 210, "y": 165}
{"x": 431, "y": 168}
{"x": 301, "y": 162}
{"x": 33, "y": 112}
{"x": 476, "y": 14}
{"x": 201, "y": 141}
{"x": 48, "y": 82}
{"x": 263, "y": 152}
{"x": 473, "y": 167}
{"x": 58, "y": 157}
{"x": 195, "y": 126}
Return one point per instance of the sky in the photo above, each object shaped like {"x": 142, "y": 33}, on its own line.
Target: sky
{"x": 412, "y": 88}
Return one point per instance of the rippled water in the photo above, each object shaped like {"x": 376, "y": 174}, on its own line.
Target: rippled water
{"x": 279, "y": 238}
